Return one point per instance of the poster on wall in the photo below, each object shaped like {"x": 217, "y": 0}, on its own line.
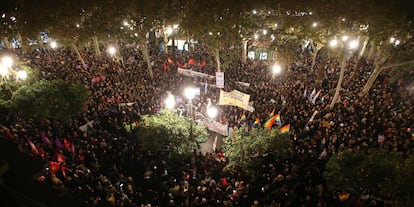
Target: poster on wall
{"x": 220, "y": 79}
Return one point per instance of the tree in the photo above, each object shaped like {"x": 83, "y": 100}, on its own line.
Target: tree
{"x": 247, "y": 149}
{"x": 54, "y": 99}
{"x": 168, "y": 130}
{"x": 376, "y": 171}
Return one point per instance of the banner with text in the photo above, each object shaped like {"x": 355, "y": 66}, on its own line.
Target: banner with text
{"x": 188, "y": 72}
{"x": 234, "y": 98}
{"x": 220, "y": 79}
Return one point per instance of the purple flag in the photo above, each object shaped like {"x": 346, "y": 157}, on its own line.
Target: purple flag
{"x": 59, "y": 143}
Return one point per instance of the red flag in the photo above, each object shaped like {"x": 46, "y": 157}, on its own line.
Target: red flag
{"x": 63, "y": 168}
{"x": 67, "y": 144}
{"x": 166, "y": 68}
{"x": 170, "y": 60}
{"x": 191, "y": 61}
{"x": 42, "y": 153}
{"x": 54, "y": 167}
{"x": 60, "y": 158}
{"x": 214, "y": 144}
{"x": 33, "y": 147}
{"x": 203, "y": 64}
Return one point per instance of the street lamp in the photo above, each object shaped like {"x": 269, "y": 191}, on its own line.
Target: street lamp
{"x": 189, "y": 94}
{"x": 276, "y": 69}
{"x": 170, "y": 101}
{"x": 212, "y": 112}
{"x": 53, "y": 44}
{"x": 111, "y": 50}
{"x": 7, "y": 61}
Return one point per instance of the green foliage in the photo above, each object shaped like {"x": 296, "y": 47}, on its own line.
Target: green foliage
{"x": 54, "y": 99}
{"x": 248, "y": 150}
{"x": 377, "y": 171}
{"x": 156, "y": 132}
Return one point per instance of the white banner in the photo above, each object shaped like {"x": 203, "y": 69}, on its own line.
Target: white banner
{"x": 242, "y": 83}
{"x": 216, "y": 127}
{"x": 188, "y": 72}
{"x": 220, "y": 79}
{"x": 235, "y": 98}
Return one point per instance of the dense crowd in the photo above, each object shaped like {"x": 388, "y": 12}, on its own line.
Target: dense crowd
{"x": 105, "y": 167}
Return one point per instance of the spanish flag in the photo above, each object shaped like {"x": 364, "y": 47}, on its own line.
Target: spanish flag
{"x": 285, "y": 129}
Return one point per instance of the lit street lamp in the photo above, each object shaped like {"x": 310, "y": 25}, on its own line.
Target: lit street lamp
{"x": 111, "y": 50}
{"x": 7, "y": 61}
{"x": 53, "y": 44}
{"x": 170, "y": 101}
{"x": 190, "y": 94}
{"x": 212, "y": 112}
{"x": 276, "y": 69}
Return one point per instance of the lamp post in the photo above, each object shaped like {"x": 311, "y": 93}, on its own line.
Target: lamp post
{"x": 189, "y": 94}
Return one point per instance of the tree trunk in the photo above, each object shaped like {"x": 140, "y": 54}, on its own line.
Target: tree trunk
{"x": 359, "y": 61}
{"x": 96, "y": 46}
{"x": 338, "y": 86}
{"x": 165, "y": 44}
{"x": 145, "y": 52}
{"x": 217, "y": 57}
{"x": 6, "y": 43}
{"x": 244, "y": 51}
{"x": 78, "y": 54}
{"x": 377, "y": 71}
{"x": 371, "y": 52}
{"x": 318, "y": 48}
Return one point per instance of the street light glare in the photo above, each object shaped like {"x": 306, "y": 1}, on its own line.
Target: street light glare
{"x": 264, "y": 32}
{"x": 7, "y": 61}
{"x": 3, "y": 70}
{"x": 345, "y": 38}
{"x": 314, "y": 24}
{"x": 212, "y": 112}
{"x": 353, "y": 44}
{"x": 392, "y": 39}
{"x": 256, "y": 36}
{"x": 53, "y": 44}
{"x": 189, "y": 93}
{"x": 170, "y": 102}
{"x": 333, "y": 43}
{"x": 21, "y": 74}
{"x": 169, "y": 31}
{"x": 276, "y": 68}
{"x": 111, "y": 50}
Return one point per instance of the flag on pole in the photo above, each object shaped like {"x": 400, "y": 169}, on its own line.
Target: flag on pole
{"x": 242, "y": 120}
{"x": 59, "y": 143}
{"x": 316, "y": 96}
{"x": 67, "y": 144}
{"x": 269, "y": 123}
{"x": 256, "y": 123}
{"x": 214, "y": 144}
{"x": 312, "y": 95}
{"x": 60, "y": 158}
{"x": 33, "y": 147}
{"x": 304, "y": 93}
{"x": 45, "y": 139}
{"x": 54, "y": 167}
{"x": 272, "y": 113}
{"x": 205, "y": 87}
{"x": 285, "y": 129}
{"x": 278, "y": 121}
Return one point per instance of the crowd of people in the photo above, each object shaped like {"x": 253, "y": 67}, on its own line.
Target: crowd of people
{"x": 105, "y": 167}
